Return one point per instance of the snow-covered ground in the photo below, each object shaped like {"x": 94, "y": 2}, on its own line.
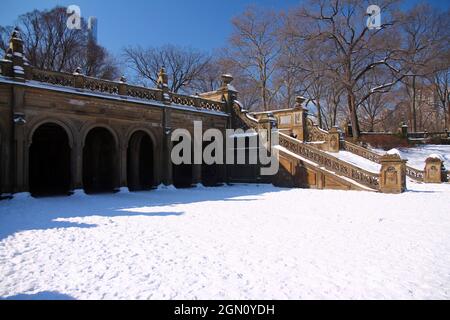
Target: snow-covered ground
{"x": 243, "y": 241}
{"x": 416, "y": 156}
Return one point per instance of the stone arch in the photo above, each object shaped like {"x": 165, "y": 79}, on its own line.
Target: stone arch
{"x": 141, "y": 161}
{"x": 88, "y": 127}
{"x": 70, "y": 131}
{"x": 100, "y": 169}
{"x": 49, "y": 159}
{"x": 183, "y": 174}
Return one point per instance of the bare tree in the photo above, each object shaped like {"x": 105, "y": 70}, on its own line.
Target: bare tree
{"x": 441, "y": 84}
{"x": 255, "y": 49}
{"x": 183, "y": 65}
{"x": 50, "y": 45}
{"x": 426, "y": 38}
{"x": 356, "y": 49}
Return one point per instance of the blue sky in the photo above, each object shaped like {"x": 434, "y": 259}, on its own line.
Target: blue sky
{"x": 202, "y": 24}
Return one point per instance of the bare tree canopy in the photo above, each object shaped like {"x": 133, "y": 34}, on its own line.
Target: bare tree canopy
{"x": 49, "y": 44}
{"x": 255, "y": 49}
{"x": 183, "y": 65}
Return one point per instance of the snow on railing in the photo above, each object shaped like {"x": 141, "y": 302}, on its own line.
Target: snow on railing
{"x": 411, "y": 172}
{"x": 248, "y": 120}
{"x": 120, "y": 88}
{"x": 329, "y": 162}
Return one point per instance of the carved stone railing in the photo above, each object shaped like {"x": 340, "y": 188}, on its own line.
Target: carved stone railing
{"x": 144, "y": 93}
{"x": 116, "y": 88}
{"x": 314, "y": 132}
{"x": 364, "y": 177}
{"x": 245, "y": 117}
{"x": 101, "y": 86}
{"x": 52, "y": 77}
{"x": 182, "y": 99}
{"x": 411, "y": 172}
{"x": 414, "y": 173}
{"x": 360, "y": 151}
{"x": 210, "y": 105}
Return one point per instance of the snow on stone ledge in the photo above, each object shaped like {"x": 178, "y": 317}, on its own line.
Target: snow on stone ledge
{"x": 394, "y": 152}
{"x": 436, "y": 157}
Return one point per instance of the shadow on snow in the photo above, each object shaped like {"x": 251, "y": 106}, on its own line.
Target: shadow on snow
{"x": 43, "y": 213}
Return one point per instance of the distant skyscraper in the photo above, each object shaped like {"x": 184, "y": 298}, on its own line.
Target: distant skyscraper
{"x": 92, "y": 26}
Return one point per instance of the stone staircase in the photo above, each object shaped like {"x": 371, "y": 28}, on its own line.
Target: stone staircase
{"x": 311, "y": 157}
{"x": 309, "y": 162}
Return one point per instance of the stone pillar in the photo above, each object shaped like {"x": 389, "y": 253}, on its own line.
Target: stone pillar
{"x": 349, "y": 129}
{"x": 166, "y": 161}
{"x": 77, "y": 164}
{"x": 123, "y": 175}
{"x": 300, "y": 114}
{"x": 123, "y": 86}
{"x": 393, "y": 173}
{"x": 404, "y": 130}
{"x": 163, "y": 84}
{"x": 16, "y": 46}
{"x": 78, "y": 78}
{"x": 333, "y": 140}
{"x": 434, "y": 169}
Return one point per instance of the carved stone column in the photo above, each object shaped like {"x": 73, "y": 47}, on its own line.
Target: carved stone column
{"x": 299, "y": 127}
{"x": 333, "y": 140}
{"x": 393, "y": 173}
{"x": 434, "y": 169}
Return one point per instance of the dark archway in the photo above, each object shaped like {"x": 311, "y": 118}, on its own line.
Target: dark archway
{"x": 182, "y": 174}
{"x": 140, "y": 162}
{"x": 100, "y": 161}
{"x": 212, "y": 174}
{"x": 49, "y": 161}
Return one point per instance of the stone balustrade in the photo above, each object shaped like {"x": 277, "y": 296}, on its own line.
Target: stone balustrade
{"x": 120, "y": 88}
{"x": 331, "y": 163}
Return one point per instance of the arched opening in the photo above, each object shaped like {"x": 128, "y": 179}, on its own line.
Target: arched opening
{"x": 99, "y": 161}
{"x": 140, "y": 162}
{"x": 211, "y": 173}
{"x": 49, "y": 161}
{"x": 182, "y": 173}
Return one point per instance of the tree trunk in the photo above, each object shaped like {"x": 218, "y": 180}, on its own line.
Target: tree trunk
{"x": 319, "y": 114}
{"x": 413, "y": 98}
{"x": 353, "y": 114}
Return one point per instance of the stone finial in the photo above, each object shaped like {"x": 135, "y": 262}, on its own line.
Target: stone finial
{"x": 434, "y": 169}
{"x": 299, "y": 101}
{"x": 393, "y": 172}
{"x": 163, "y": 78}
{"x": 227, "y": 79}
{"x": 123, "y": 79}
{"x": 15, "y": 53}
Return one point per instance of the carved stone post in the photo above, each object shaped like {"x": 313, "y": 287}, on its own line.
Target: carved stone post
{"x": 393, "y": 173}
{"x": 299, "y": 128}
{"x": 404, "y": 130}
{"x": 434, "y": 169}
{"x": 123, "y": 86}
{"x": 16, "y": 46}
{"x": 333, "y": 140}
{"x": 78, "y": 78}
